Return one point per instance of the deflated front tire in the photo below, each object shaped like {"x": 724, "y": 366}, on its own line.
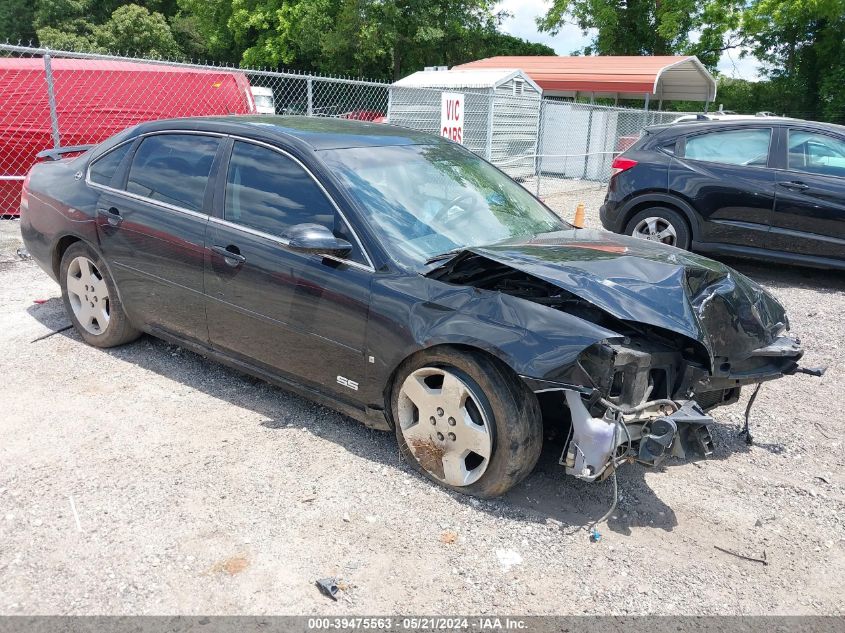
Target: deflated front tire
{"x": 466, "y": 421}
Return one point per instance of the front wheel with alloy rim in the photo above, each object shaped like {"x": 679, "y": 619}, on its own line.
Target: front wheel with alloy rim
{"x": 91, "y": 299}
{"x": 466, "y": 421}
{"x": 660, "y": 224}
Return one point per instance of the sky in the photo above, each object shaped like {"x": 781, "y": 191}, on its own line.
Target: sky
{"x": 570, "y": 38}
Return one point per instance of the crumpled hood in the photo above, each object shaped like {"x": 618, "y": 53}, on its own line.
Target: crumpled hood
{"x": 640, "y": 281}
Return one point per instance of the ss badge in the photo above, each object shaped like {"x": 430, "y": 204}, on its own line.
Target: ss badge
{"x": 347, "y": 383}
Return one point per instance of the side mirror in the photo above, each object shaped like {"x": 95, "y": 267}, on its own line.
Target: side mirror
{"x": 316, "y": 239}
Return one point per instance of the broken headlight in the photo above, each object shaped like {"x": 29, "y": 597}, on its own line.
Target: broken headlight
{"x": 630, "y": 373}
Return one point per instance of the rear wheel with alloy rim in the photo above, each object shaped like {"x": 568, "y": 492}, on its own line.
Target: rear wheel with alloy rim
{"x": 91, "y": 299}
{"x": 466, "y": 421}
{"x": 88, "y": 295}
{"x": 660, "y": 224}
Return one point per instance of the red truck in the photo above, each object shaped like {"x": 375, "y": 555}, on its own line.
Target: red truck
{"x": 94, "y": 100}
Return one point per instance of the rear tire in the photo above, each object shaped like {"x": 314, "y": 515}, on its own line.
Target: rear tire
{"x": 91, "y": 299}
{"x": 487, "y": 429}
{"x": 660, "y": 224}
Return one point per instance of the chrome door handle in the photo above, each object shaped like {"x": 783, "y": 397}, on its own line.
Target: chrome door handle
{"x": 794, "y": 185}
{"x": 230, "y": 253}
{"x": 112, "y": 214}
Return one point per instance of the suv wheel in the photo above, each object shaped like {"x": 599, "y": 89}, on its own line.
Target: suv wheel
{"x": 660, "y": 224}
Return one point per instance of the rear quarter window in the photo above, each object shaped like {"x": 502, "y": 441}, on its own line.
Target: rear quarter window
{"x": 102, "y": 170}
{"x": 731, "y": 147}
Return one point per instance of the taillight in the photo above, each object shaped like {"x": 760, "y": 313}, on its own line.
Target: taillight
{"x": 620, "y": 164}
{"x": 25, "y": 192}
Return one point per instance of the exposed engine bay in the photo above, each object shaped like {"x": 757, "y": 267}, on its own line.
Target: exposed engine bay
{"x": 645, "y": 394}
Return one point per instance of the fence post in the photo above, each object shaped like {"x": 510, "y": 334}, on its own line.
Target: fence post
{"x": 538, "y": 147}
{"x": 389, "y": 102}
{"x": 51, "y": 97}
{"x": 310, "y": 84}
{"x": 490, "y": 115}
{"x": 587, "y": 144}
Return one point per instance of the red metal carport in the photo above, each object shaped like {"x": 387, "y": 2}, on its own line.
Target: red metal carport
{"x": 661, "y": 78}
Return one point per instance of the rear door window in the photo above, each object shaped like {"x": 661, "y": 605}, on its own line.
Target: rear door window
{"x": 815, "y": 153}
{"x": 731, "y": 147}
{"x": 173, "y": 168}
{"x": 102, "y": 170}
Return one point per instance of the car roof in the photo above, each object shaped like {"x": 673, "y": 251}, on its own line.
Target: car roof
{"x": 318, "y": 133}
{"x": 685, "y": 127}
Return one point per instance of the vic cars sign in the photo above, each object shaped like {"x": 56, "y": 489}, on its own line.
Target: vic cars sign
{"x": 452, "y": 116}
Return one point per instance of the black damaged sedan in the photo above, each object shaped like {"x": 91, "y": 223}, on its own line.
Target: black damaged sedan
{"x": 402, "y": 280}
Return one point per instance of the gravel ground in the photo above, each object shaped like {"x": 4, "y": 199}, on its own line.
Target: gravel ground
{"x": 564, "y": 194}
{"x": 148, "y": 480}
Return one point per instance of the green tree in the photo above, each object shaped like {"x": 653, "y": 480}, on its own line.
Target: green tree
{"x": 136, "y": 30}
{"x": 131, "y": 28}
{"x": 493, "y": 42}
{"x": 371, "y": 38}
{"x": 201, "y": 27}
{"x": 64, "y": 24}
{"x": 281, "y": 32}
{"x": 650, "y": 27}
{"x": 16, "y": 21}
{"x": 801, "y": 45}
{"x": 368, "y": 37}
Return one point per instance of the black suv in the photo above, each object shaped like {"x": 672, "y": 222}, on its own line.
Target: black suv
{"x": 770, "y": 189}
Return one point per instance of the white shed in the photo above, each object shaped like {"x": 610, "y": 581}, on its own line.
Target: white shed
{"x": 501, "y": 112}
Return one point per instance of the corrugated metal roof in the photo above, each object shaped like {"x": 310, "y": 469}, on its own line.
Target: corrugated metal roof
{"x": 462, "y": 78}
{"x": 665, "y": 77}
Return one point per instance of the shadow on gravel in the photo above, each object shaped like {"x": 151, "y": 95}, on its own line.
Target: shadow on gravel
{"x": 782, "y": 276}
{"x": 546, "y": 495}
{"x": 50, "y": 314}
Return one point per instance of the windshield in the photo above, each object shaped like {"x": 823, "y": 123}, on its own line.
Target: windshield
{"x": 425, "y": 200}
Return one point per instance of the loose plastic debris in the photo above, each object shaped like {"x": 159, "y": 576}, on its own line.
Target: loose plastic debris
{"x": 328, "y": 587}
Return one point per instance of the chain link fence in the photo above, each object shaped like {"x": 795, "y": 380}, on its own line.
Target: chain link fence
{"x": 58, "y": 98}
{"x": 562, "y": 151}
{"x": 578, "y": 142}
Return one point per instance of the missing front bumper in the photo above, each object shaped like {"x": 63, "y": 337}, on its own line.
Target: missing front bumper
{"x": 597, "y": 445}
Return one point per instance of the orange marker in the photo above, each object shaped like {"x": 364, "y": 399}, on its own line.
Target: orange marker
{"x": 579, "y": 216}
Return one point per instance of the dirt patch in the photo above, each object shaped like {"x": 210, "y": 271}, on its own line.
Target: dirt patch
{"x": 448, "y": 537}
{"x": 231, "y": 566}
{"x": 430, "y": 456}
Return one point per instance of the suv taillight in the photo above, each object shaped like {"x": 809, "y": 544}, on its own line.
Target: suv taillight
{"x": 620, "y": 164}
{"x": 25, "y": 192}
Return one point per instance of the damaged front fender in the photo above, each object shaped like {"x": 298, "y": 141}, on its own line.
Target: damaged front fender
{"x": 531, "y": 339}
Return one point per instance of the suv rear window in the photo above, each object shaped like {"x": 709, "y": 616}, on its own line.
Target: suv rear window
{"x": 731, "y": 147}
